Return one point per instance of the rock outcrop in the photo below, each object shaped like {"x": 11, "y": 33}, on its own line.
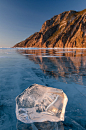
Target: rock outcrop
{"x": 67, "y": 29}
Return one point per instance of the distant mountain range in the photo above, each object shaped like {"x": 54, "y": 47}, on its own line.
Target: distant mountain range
{"x": 67, "y": 29}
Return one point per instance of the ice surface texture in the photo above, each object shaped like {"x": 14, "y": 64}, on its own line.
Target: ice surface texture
{"x": 39, "y": 103}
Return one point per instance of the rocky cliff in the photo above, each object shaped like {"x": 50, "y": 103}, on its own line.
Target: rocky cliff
{"x": 67, "y": 29}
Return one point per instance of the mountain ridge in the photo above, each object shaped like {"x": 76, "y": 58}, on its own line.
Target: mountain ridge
{"x": 67, "y": 29}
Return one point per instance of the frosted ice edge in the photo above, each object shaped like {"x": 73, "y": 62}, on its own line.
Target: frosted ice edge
{"x": 39, "y": 103}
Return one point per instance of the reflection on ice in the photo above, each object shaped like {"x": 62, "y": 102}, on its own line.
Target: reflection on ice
{"x": 66, "y": 51}
{"x": 66, "y": 65}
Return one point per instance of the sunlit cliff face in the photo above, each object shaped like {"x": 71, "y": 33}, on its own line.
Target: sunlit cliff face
{"x": 67, "y": 29}
{"x": 63, "y": 64}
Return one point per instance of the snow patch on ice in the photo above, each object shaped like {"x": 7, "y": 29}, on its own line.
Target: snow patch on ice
{"x": 50, "y": 56}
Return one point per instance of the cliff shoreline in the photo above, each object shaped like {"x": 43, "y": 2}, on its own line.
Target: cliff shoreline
{"x": 66, "y": 30}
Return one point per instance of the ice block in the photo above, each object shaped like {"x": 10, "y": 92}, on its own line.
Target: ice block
{"x": 39, "y": 103}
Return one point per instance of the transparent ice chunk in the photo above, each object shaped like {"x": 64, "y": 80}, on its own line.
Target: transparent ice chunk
{"x": 39, "y": 103}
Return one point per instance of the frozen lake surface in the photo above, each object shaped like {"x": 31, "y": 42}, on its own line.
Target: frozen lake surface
{"x": 59, "y": 68}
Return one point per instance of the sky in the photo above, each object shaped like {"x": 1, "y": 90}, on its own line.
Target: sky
{"x": 21, "y": 18}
